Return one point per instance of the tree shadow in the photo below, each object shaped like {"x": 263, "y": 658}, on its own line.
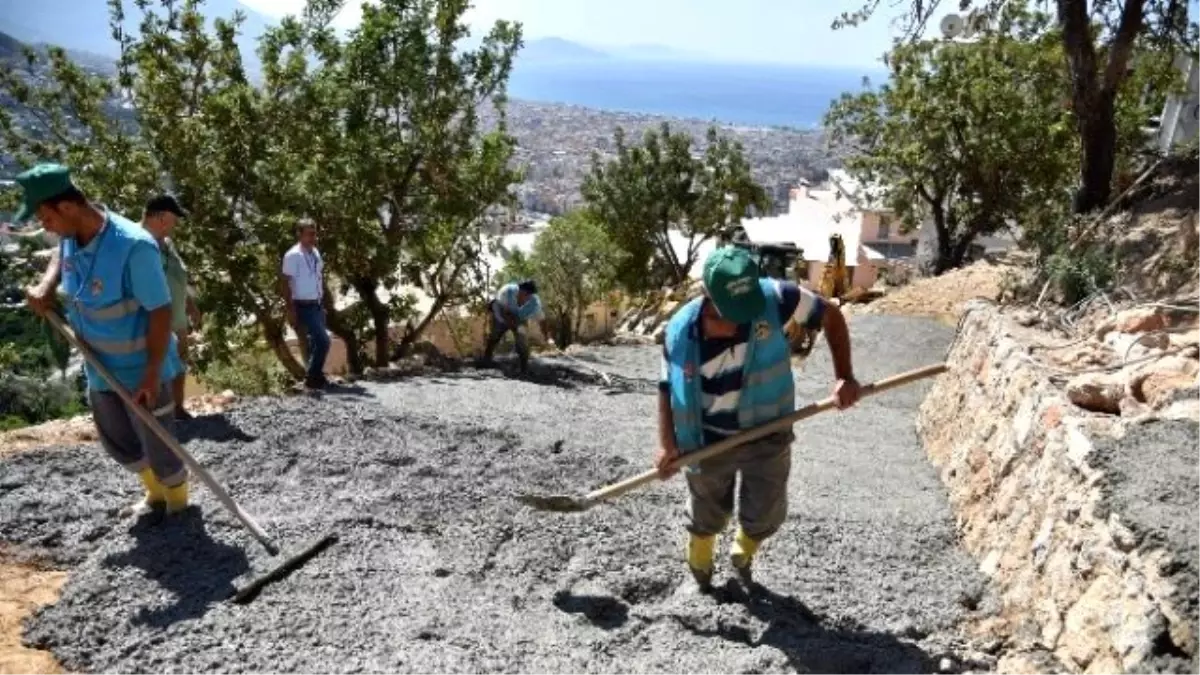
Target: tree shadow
{"x": 179, "y": 555}
{"x": 811, "y": 642}
{"x": 602, "y": 611}
{"x": 341, "y": 389}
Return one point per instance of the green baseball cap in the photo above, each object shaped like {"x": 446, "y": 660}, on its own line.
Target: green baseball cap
{"x": 42, "y": 182}
{"x": 731, "y": 281}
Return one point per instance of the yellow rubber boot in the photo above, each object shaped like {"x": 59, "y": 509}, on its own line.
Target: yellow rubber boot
{"x": 700, "y": 549}
{"x": 741, "y": 555}
{"x": 177, "y": 498}
{"x": 154, "y": 499}
{"x": 155, "y": 492}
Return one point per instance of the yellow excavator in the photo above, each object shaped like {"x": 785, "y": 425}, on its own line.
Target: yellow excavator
{"x": 834, "y": 280}
{"x": 834, "y": 284}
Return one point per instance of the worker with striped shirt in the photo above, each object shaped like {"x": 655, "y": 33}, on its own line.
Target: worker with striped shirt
{"x": 726, "y": 369}
{"x": 119, "y": 304}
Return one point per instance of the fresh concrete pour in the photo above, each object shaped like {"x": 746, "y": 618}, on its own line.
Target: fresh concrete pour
{"x": 1152, "y": 482}
{"x": 439, "y": 569}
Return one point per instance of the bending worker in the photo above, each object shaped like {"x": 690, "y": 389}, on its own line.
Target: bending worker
{"x": 726, "y": 369}
{"x": 514, "y": 304}
{"x": 118, "y": 303}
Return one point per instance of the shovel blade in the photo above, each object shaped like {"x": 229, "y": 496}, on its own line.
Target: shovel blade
{"x": 555, "y": 503}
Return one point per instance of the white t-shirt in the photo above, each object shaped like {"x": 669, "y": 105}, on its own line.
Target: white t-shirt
{"x": 305, "y": 270}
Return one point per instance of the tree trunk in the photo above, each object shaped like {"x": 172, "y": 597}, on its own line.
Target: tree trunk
{"x": 273, "y": 333}
{"x": 410, "y": 336}
{"x": 1098, "y": 137}
{"x": 337, "y": 325}
{"x": 380, "y": 317}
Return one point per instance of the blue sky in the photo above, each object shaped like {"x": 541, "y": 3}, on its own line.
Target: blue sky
{"x": 773, "y": 31}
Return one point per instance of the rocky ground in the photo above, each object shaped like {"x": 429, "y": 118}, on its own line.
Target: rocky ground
{"x": 439, "y": 569}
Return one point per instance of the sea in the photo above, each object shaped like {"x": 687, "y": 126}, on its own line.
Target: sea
{"x": 741, "y": 94}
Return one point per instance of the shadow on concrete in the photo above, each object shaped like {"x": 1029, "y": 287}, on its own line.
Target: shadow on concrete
{"x": 177, "y": 553}
{"x": 811, "y": 642}
{"x": 539, "y": 373}
{"x": 212, "y": 427}
{"x": 341, "y": 389}
{"x": 600, "y": 610}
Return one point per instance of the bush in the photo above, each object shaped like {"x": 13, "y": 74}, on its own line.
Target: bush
{"x": 27, "y": 400}
{"x": 1077, "y": 275}
{"x": 254, "y": 372}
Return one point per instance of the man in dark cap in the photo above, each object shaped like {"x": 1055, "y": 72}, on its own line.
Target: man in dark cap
{"x": 117, "y": 302}
{"x": 514, "y": 304}
{"x": 161, "y": 215}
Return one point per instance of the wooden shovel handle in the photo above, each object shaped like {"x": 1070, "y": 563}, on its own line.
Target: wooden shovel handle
{"x": 173, "y": 445}
{"x": 781, "y": 424}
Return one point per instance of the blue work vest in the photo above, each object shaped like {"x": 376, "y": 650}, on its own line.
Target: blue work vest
{"x": 768, "y": 391}
{"x": 506, "y": 298}
{"x": 102, "y": 308}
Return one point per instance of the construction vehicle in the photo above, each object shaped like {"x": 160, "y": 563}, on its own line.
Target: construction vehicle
{"x": 834, "y": 279}
{"x": 778, "y": 260}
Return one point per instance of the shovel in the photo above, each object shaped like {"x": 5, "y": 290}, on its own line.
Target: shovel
{"x": 251, "y": 590}
{"x": 573, "y": 504}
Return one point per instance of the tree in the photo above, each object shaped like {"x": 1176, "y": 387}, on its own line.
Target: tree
{"x": 1100, "y": 40}
{"x": 575, "y": 264}
{"x": 648, "y": 191}
{"x": 968, "y": 136}
{"x": 375, "y": 136}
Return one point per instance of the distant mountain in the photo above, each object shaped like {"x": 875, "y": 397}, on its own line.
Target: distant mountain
{"x": 649, "y": 52}
{"x": 558, "y": 50}
{"x": 83, "y": 25}
{"x": 9, "y": 46}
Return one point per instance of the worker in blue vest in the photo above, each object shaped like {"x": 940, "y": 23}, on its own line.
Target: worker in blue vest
{"x": 726, "y": 369}
{"x": 118, "y": 302}
{"x": 515, "y": 304}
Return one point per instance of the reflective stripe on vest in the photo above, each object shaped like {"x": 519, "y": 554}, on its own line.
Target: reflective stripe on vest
{"x": 100, "y": 305}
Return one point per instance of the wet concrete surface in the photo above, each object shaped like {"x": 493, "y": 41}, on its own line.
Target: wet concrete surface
{"x": 439, "y": 569}
{"x": 1152, "y": 481}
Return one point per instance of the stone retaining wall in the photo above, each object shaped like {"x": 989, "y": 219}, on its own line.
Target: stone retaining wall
{"x": 1081, "y": 587}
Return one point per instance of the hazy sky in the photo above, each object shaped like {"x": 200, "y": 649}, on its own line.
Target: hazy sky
{"x": 782, "y": 31}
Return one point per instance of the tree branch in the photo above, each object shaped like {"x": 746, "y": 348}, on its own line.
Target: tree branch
{"x": 1132, "y": 19}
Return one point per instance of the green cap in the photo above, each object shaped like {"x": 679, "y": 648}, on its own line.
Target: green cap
{"x": 42, "y": 182}
{"x": 731, "y": 281}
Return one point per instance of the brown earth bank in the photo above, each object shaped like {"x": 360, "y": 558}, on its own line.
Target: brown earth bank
{"x": 23, "y": 588}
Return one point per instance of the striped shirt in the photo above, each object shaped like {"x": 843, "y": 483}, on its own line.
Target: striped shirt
{"x": 722, "y": 361}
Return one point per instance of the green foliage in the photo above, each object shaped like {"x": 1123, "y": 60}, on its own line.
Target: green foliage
{"x": 26, "y": 400}
{"x": 255, "y": 371}
{"x": 1078, "y": 275}
{"x": 647, "y": 191}
{"x": 374, "y": 135}
{"x": 967, "y": 137}
{"x": 1106, "y": 44}
{"x": 575, "y": 264}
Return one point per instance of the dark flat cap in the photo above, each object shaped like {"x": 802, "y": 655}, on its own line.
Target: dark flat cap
{"x": 165, "y": 203}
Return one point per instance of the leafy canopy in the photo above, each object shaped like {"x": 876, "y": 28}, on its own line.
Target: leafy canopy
{"x": 647, "y": 192}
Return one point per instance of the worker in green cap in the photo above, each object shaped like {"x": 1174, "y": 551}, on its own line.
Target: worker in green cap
{"x": 118, "y": 302}
{"x": 727, "y": 369}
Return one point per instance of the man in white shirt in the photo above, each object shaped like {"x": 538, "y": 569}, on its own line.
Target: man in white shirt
{"x": 304, "y": 270}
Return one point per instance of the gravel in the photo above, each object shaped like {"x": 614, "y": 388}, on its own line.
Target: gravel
{"x": 439, "y": 569}
{"x": 1153, "y": 484}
